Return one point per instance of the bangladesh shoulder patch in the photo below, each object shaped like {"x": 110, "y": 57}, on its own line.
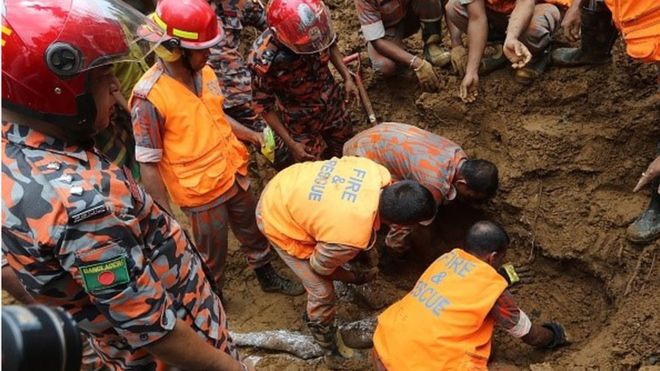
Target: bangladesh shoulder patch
{"x": 104, "y": 275}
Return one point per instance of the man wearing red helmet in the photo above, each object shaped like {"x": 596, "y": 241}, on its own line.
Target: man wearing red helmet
{"x": 189, "y": 148}
{"x": 294, "y": 90}
{"x": 77, "y": 229}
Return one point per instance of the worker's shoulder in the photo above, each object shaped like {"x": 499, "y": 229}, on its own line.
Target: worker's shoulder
{"x": 263, "y": 52}
{"x": 147, "y": 81}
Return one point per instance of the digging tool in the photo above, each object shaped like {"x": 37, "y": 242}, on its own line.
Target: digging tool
{"x": 357, "y": 77}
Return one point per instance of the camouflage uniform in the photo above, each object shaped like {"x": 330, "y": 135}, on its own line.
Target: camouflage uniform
{"x": 81, "y": 234}
{"x": 409, "y": 152}
{"x": 304, "y": 92}
{"x": 233, "y": 73}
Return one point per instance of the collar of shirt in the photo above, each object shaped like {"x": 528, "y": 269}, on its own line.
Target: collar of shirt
{"x": 26, "y": 137}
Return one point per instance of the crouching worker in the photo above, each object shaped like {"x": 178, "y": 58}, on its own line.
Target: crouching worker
{"x": 320, "y": 215}
{"x": 457, "y": 302}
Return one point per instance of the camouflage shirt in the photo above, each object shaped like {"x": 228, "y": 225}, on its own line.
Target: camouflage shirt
{"x": 81, "y": 234}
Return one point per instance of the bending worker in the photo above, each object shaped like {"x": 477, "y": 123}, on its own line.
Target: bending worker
{"x": 188, "y": 147}
{"x": 437, "y": 163}
{"x": 457, "y": 302}
{"x": 320, "y": 215}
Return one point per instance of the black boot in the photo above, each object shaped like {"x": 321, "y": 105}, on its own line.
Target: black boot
{"x": 432, "y": 37}
{"x": 647, "y": 226}
{"x": 598, "y": 36}
{"x": 270, "y": 281}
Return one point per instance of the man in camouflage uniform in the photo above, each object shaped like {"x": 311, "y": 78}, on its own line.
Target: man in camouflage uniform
{"x": 77, "y": 229}
{"x": 435, "y": 162}
{"x": 228, "y": 63}
{"x": 297, "y": 95}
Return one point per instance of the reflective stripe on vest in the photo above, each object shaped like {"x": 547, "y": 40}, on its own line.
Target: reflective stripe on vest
{"x": 201, "y": 154}
{"x": 333, "y": 201}
{"x": 443, "y": 323}
{"x": 639, "y": 22}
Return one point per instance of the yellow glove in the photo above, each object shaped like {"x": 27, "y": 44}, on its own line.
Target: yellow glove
{"x": 427, "y": 77}
{"x": 459, "y": 59}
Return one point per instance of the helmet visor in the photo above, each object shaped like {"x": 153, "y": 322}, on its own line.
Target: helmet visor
{"x": 311, "y": 34}
{"x": 99, "y": 33}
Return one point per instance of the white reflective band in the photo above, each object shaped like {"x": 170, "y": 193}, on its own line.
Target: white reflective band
{"x": 373, "y": 31}
{"x": 148, "y": 155}
{"x": 522, "y": 327}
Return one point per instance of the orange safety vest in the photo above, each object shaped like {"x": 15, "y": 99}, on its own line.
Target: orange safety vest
{"x": 201, "y": 154}
{"x": 639, "y": 22}
{"x": 443, "y": 323}
{"x": 333, "y": 201}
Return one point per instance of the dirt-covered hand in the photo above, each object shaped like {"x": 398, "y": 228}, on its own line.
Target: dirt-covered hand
{"x": 469, "y": 88}
{"x": 257, "y": 138}
{"x": 363, "y": 277}
{"x": 427, "y": 77}
{"x": 572, "y": 23}
{"x": 652, "y": 172}
{"x": 459, "y": 59}
{"x": 517, "y": 53}
{"x": 300, "y": 153}
{"x": 514, "y": 276}
{"x": 352, "y": 92}
{"x": 559, "y": 334}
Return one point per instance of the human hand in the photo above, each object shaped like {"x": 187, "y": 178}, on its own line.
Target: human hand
{"x": 257, "y": 138}
{"x": 559, "y": 334}
{"x": 363, "y": 277}
{"x": 352, "y": 92}
{"x": 300, "y": 153}
{"x": 516, "y": 52}
{"x": 469, "y": 88}
{"x": 427, "y": 78}
{"x": 571, "y": 23}
{"x": 652, "y": 172}
{"x": 459, "y": 58}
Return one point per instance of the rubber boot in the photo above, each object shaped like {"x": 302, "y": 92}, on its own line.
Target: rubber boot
{"x": 270, "y": 281}
{"x": 533, "y": 69}
{"x": 432, "y": 37}
{"x": 647, "y": 226}
{"x": 598, "y": 37}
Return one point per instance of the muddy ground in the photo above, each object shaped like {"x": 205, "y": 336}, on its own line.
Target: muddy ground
{"x": 570, "y": 149}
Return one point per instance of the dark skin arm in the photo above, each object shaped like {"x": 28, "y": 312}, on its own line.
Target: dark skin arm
{"x": 244, "y": 133}
{"x": 477, "y": 36}
{"x": 538, "y": 336}
{"x": 13, "y": 286}
{"x": 298, "y": 150}
{"x": 175, "y": 349}
{"x": 392, "y": 51}
{"x": 337, "y": 59}
{"x": 153, "y": 183}
{"x": 514, "y": 49}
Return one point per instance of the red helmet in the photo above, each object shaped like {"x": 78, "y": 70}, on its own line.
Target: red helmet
{"x": 304, "y": 26}
{"x": 49, "y": 47}
{"x": 191, "y": 23}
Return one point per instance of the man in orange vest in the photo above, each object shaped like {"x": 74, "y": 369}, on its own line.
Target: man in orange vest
{"x": 457, "y": 302}
{"x": 320, "y": 215}
{"x": 594, "y": 21}
{"x": 189, "y": 148}
{"x": 528, "y": 27}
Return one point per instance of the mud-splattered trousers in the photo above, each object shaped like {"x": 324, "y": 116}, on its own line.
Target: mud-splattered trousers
{"x": 410, "y": 153}
{"x": 301, "y": 88}
{"x": 210, "y": 222}
{"x": 536, "y": 37}
{"x": 321, "y": 299}
{"x": 82, "y": 235}
{"x": 229, "y": 65}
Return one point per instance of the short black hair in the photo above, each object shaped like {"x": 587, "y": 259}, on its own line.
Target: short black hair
{"x": 485, "y": 237}
{"x": 481, "y": 176}
{"x": 406, "y": 202}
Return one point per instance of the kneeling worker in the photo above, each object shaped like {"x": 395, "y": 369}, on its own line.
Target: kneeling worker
{"x": 457, "y": 302}
{"x": 320, "y": 215}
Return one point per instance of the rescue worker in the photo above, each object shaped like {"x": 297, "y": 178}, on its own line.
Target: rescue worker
{"x": 384, "y": 25}
{"x": 457, "y": 302}
{"x": 294, "y": 90}
{"x": 230, "y": 67}
{"x": 189, "y": 148}
{"x": 437, "y": 163}
{"x": 320, "y": 215}
{"x": 527, "y": 24}
{"x": 77, "y": 229}
{"x": 646, "y": 228}
{"x": 593, "y": 22}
